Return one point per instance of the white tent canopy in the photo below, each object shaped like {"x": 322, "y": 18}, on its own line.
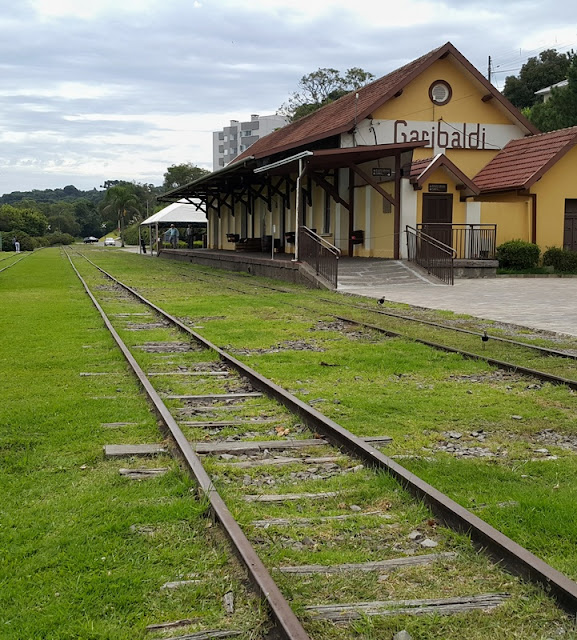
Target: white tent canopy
{"x": 177, "y": 213}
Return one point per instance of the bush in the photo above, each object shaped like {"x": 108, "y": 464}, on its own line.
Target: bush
{"x": 26, "y": 242}
{"x": 130, "y": 234}
{"x": 58, "y": 238}
{"x": 561, "y": 260}
{"x": 518, "y": 254}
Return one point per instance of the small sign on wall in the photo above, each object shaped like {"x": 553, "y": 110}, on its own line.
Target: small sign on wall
{"x": 381, "y": 172}
{"x": 437, "y": 187}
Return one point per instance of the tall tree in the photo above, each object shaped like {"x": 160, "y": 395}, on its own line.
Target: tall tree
{"x": 178, "y": 175}
{"x": 560, "y": 110}
{"x": 87, "y": 216}
{"x": 121, "y": 203}
{"x": 537, "y": 73}
{"x": 321, "y": 87}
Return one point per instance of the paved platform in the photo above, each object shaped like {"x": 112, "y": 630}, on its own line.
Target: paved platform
{"x": 548, "y": 304}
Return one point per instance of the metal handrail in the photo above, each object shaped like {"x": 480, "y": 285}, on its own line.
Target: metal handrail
{"x": 472, "y": 241}
{"x": 431, "y": 254}
{"x": 320, "y": 255}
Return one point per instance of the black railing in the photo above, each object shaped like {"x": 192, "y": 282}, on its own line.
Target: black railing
{"x": 319, "y": 254}
{"x": 470, "y": 241}
{"x": 431, "y": 254}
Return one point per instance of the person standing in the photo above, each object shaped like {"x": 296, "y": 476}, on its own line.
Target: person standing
{"x": 173, "y": 236}
{"x": 16, "y": 245}
{"x": 189, "y": 236}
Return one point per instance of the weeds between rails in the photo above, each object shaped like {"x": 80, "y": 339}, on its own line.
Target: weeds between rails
{"x": 13, "y": 263}
{"x": 511, "y": 355}
{"x": 415, "y": 319}
{"x": 311, "y": 481}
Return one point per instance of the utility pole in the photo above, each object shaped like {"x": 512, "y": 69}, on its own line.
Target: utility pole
{"x": 489, "y": 70}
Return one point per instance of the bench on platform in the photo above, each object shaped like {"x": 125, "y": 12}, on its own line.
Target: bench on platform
{"x": 248, "y": 244}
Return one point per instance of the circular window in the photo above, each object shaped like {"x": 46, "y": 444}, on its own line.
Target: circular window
{"x": 440, "y": 92}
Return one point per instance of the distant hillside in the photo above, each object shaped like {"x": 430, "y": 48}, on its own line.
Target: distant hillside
{"x": 68, "y": 194}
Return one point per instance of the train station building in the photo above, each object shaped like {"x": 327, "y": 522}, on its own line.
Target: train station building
{"x": 431, "y": 147}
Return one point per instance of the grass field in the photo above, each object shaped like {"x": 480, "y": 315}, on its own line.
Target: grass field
{"x": 84, "y": 552}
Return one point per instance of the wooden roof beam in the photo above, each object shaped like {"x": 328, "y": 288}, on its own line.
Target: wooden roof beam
{"x": 377, "y": 187}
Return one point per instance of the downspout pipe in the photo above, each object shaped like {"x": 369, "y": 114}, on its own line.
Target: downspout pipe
{"x": 533, "y": 197}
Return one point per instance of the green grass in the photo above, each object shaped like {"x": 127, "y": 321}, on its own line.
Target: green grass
{"x": 83, "y": 551}
{"x": 67, "y": 508}
{"x": 391, "y": 386}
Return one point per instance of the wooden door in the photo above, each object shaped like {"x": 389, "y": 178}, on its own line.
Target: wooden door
{"x": 570, "y": 228}
{"x": 438, "y": 216}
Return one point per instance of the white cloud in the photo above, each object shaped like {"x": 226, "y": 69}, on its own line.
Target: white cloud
{"x": 87, "y": 9}
{"x": 109, "y": 89}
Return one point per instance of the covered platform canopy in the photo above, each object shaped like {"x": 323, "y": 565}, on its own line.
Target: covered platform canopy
{"x": 178, "y": 213}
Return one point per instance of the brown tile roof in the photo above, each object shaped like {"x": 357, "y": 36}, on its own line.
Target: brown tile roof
{"x": 417, "y": 167}
{"x": 340, "y": 116}
{"x": 420, "y": 170}
{"x": 522, "y": 162}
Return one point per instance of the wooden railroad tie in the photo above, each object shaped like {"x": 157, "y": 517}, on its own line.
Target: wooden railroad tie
{"x": 438, "y": 606}
{"x": 283, "y": 497}
{"x": 290, "y": 522}
{"x": 236, "y": 446}
{"x": 379, "y": 565}
{"x": 143, "y": 474}
{"x": 279, "y": 461}
{"x": 215, "y": 396}
{"x": 205, "y": 374}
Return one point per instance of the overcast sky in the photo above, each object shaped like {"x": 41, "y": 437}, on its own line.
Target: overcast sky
{"x": 94, "y": 90}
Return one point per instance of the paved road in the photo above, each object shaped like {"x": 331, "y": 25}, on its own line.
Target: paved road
{"x": 539, "y": 303}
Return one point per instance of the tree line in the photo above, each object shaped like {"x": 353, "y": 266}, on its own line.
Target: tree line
{"x": 545, "y": 70}
{"x": 60, "y": 216}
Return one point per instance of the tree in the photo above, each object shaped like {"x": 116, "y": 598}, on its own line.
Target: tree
{"x": 119, "y": 203}
{"x": 28, "y": 220}
{"x": 321, "y": 87}
{"x": 87, "y": 216}
{"x": 537, "y": 73}
{"x": 178, "y": 175}
{"x": 560, "y": 110}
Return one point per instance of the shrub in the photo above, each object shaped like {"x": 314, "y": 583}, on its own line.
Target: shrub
{"x": 518, "y": 254}
{"x": 561, "y": 260}
{"x": 26, "y": 242}
{"x": 59, "y": 238}
{"x": 130, "y": 234}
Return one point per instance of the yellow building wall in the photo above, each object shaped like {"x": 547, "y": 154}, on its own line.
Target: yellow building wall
{"x": 381, "y": 232}
{"x": 557, "y": 185}
{"x": 512, "y": 215}
{"x": 466, "y": 105}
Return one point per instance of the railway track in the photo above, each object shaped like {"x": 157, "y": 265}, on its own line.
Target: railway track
{"x": 12, "y": 263}
{"x": 476, "y": 345}
{"x": 303, "y": 488}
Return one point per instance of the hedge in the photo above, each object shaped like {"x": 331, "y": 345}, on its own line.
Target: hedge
{"x": 518, "y": 254}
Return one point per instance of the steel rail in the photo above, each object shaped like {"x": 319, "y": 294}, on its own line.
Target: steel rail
{"x": 500, "y": 547}
{"x": 284, "y": 618}
{"x": 544, "y": 350}
{"x": 500, "y": 364}
{"x": 13, "y": 263}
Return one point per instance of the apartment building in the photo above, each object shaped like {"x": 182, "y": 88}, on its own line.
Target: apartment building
{"x": 233, "y": 140}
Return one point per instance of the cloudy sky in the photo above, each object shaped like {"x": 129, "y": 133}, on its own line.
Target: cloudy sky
{"x": 94, "y": 90}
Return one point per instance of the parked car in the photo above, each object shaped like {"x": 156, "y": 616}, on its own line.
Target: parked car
{"x": 90, "y": 239}
{"x": 110, "y": 242}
